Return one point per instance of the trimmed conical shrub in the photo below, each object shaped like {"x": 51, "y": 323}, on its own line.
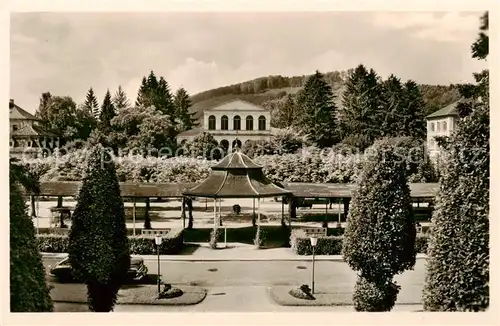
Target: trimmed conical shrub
{"x": 98, "y": 245}
{"x": 380, "y": 236}
{"x": 28, "y": 287}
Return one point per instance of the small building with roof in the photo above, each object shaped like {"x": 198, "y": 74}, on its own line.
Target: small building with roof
{"x": 28, "y": 137}
{"x": 232, "y": 124}
{"x": 440, "y": 123}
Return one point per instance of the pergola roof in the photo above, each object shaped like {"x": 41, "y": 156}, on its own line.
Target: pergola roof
{"x": 344, "y": 190}
{"x": 127, "y": 189}
{"x": 236, "y": 176}
{"x": 173, "y": 190}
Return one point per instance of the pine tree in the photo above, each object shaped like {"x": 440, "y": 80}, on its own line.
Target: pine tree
{"x": 458, "y": 260}
{"x": 120, "y": 99}
{"x": 391, "y": 110}
{"x": 359, "y": 116}
{"x": 91, "y": 103}
{"x": 182, "y": 105}
{"x": 98, "y": 248}
{"x": 380, "y": 236}
{"x": 414, "y": 116}
{"x": 107, "y": 113}
{"x": 286, "y": 113}
{"x": 28, "y": 288}
{"x": 162, "y": 98}
{"x": 318, "y": 118}
{"x": 143, "y": 99}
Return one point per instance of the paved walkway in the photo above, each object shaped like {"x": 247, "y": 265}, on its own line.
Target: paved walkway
{"x": 233, "y": 252}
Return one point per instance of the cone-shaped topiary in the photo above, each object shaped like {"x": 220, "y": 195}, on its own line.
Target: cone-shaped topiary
{"x": 98, "y": 245}
{"x": 458, "y": 254}
{"x": 28, "y": 288}
{"x": 380, "y": 236}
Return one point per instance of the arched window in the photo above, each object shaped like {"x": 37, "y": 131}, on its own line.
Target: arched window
{"x": 432, "y": 126}
{"x": 438, "y": 128}
{"x": 444, "y": 126}
{"x": 224, "y": 123}
{"x": 249, "y": 121}
{"x": 237, "y": 123}
{"x": 236, "y": 142}
{"x": 224, "y": 144}
{"x": 211, "y": 122}
{"x": 262, "y": 123}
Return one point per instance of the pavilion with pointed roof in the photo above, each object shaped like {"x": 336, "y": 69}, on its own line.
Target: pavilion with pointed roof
{"x": 236, "y": 176}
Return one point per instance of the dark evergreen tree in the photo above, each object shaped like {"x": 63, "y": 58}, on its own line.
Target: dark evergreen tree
{"x": 120, "y": 99}
{"x": 380, "y": 236}
{"x": 318, "y": 111}
{"x": 286, "y": 113}
{"x": 91, "y": 103}
{"x": 458, "y": 256}
{"x": 98, "y": 248}
{"x": 143, "y": 99}
{"x": 107, "y": 113}
{"x": 182, "y": 105}
{"x": 163, "y": 99}
{"x": 391, "y": 111}
{"x": 359, "y": 116}
{"x": 28, "y": 288}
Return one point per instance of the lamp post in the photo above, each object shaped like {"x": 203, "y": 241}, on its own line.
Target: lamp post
{"x": 158, "y": 240}
{"x": 314, "y": 241}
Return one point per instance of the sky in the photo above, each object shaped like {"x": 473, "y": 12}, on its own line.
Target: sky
{"x": 67, "y": 53}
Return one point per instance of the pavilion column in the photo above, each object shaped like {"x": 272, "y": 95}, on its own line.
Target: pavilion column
{"x": 215, "y": 213}
{"x": 189, "y": 202}
{"x": 220, "y": 212}
{"x": 258, "y": 212}
{"x": 253, "y": 212}
{"x": 292, "y": 209}
{"x": 59, "y": 201}
{"x": 134, "y": 215}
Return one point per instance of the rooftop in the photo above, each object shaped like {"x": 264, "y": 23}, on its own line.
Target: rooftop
{"x": 450, "y": 110}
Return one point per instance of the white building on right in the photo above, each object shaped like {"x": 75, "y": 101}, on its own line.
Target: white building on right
{"x": 440, "y": 123}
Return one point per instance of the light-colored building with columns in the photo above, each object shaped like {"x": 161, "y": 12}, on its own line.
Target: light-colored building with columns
{"x": 234, "y": 122}
{"x": 440, "y": 123}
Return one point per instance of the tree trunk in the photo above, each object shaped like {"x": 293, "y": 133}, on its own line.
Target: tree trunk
{"x": 147, "y": 220}
{"x": 189, "y": 202}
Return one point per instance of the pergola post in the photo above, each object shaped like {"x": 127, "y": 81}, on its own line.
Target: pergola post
{"x": 32, "y": 199}
{"x": 183, "y": 212}
{"x": 339, "y": 225}
{"x": 346, "y": 207}
{"x": 325, "y": 222}
{"x": 282, "y": 212}
{"x": 134, "y": 215}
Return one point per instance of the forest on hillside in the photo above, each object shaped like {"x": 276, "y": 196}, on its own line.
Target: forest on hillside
{"x": 268, "y": 90}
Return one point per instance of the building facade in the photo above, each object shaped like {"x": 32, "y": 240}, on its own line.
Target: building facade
{"x": 440, "y": 123}
{"x": 233, "y": 123}
{"x": 28, "y": 138}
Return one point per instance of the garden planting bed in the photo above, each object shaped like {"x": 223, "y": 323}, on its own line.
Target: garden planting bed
{"x": 140, "y": 294}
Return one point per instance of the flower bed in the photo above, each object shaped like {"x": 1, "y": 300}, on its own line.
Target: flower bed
{"x": 172, "y": 243}
{"x": 332, "y": 245}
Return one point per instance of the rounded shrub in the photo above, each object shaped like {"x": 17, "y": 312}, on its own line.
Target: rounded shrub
{"x": 377, "y": 295}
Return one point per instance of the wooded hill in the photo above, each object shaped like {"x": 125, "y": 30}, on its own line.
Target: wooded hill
{"x": 266, "y": 90}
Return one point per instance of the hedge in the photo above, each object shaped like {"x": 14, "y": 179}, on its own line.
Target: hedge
{"x": 332, "y": 245}
{"x": 172, "y": 243}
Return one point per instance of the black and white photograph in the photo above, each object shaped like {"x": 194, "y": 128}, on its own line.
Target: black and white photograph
{"x": 244, "y": 161}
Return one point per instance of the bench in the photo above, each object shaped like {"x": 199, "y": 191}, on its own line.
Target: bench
{"x": 317, "y": 232}
{"x": 154, "y": 232}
